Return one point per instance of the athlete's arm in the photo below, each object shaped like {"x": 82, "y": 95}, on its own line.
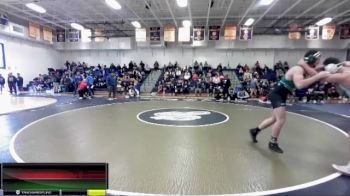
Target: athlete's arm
{"x": 346, "y": 63}
{"x": 300, "y": 82}
{"x": 338, "y": 78}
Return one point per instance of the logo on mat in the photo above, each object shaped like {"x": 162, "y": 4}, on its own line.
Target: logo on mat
{"x": 182, "y": 117}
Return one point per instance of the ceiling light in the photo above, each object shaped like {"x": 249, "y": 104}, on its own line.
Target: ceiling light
{"x": 249, "y": 22}
{"x": 186, "y": 23}
{"x": 136, "y": 24}
{"x": 77, "y": 26}
{"x": 36, "y": 8}
{"x": 266, "y": 2}
{"x": 181, "y": 3}
{"x": 114, "y": 4}
{"x": 324, "y": 21}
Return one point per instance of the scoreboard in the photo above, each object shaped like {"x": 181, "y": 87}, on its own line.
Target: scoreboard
{"x": 54, "y": 178}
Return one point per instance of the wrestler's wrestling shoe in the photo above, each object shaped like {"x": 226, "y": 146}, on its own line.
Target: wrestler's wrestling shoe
{"x": 275, "y": 147}
{"x": 253, "y": 133}
{"x": 344, "y": 169}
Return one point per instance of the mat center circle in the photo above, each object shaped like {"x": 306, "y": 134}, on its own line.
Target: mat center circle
{"x": 182, "y": 117}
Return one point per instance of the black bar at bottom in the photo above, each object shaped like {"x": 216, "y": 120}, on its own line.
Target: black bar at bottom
{"x": 65, "y": 192}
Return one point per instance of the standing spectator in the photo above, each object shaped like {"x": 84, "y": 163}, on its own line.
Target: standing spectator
{"x": 19, "y": 82}
{"x": 137, "y": 87}
{"x": 111, "y": 85}
{"x": 77, "y": 79}
{"x": 253, "y": 88}
{"x": 142, "y": 65}
{"x": 67, "y": 83}
{"x": 56, "y": 82}
{"x": 2, "y": 83}
{"x": 11, "y": 81}
{"x": 227, "y": 85}
{"x": 90, "y": 85}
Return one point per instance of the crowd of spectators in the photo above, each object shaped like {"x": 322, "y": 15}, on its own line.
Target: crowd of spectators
{"x": 258, "y": 81}
{"x": 200, "y": 79}
{"x": 127, "y": 79}
{"x": 255, "y": 82}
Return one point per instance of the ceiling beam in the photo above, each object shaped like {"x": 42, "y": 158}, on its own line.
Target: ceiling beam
{"x": 284, "y": 13}
{"x": 32, "y": 15}
{"x": 326, "y": 11}
{"x": 201, "y": 18}
{"x": 227, "y": 12}
{"x": 306, "y": 11}
{"x": 189, "y": 11}
{"x": 208, "y": 13}
{"x": 155, "y": 16}
{"x": 108, "y": 19}
{"x": 343, "y": 21}
{"x": 171, "y": 12}
{"x": 139, "y": 18}
{"x": 266, "y": 11}
{"x": 247, "y": 11}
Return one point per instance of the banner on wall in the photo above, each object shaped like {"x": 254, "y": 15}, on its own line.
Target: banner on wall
{"x": 169, "y": 34}
{"x": 73, "y": 35}
{"x": 98, "y": 35}
{"x": 246, "y": 33}
{"x": 34, "y": 30}
{"x": 140, "y": 34}
{"x": 230, "y": 32}
{"x": 312, "y": 33}
{"x": 328, "y": 31}
{"x": 345, "y": 32}
{"x": 184, "y": 34}
{"x": 86, "y": 35}
{"x": 294, "y": 32}
{"x": 154, "y": 34}
{"x": 47, "y": 34}
{"x": 17, "y": 29}
{"x": 198, "y": 33}
{"x": 61, "y": 35}
{"x": 214, "y": 32}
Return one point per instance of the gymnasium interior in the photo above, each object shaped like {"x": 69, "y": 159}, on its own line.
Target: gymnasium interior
{"x": 165, "y": 97}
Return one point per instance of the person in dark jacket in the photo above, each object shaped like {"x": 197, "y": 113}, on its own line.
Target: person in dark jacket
{"x": 11, "y": 81}
{"x": 111, "y": 85}
{"x": 19, "y": 82}
{"x": 227, "y": 85}
{"x": 2, "y": 83}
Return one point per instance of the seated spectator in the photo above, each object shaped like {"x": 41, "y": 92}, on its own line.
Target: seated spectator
{"x": 285, "y": 66}
{"x": 232, "y": 95}
{"x": 333, "y": 93}
{"x": 239, "y": 66}
{"x": 246, "y": 68}
{"x": 219, "y": 95}
{"x": 242, "y": 95}
{"x": 219, "y": 67}
{"x": 187, "y": 75}
{"x": 82, "y": 89}
{"x": 247, "y": 76}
